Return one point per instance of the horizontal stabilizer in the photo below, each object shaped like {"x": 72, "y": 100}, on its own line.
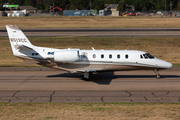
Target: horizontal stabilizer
{"x": 22, "y": 47}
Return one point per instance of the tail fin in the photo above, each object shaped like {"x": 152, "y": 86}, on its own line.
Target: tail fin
{"x": 17, "y": 39}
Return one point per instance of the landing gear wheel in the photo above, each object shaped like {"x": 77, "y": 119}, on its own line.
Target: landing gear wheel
{"x": 87, "y": 76}
{"x": 84, "y": 78}
{"x": 158, "y": 76}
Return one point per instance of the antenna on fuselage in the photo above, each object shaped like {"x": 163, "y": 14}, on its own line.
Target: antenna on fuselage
{"x": 93, "y": 48}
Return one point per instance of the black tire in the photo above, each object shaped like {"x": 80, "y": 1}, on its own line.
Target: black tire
{"x": 158, "y": 76}
{"x": 83, "y": 78}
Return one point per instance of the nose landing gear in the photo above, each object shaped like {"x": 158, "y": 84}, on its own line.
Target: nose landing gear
{"x": 157, "y": 74}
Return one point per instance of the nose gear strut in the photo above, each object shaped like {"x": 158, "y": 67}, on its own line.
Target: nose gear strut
{"x": 157, "y": 74}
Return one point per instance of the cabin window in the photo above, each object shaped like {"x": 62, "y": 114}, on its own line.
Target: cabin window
{"x": 126, "y": 56}
{"x": 110, "y": 56}
{"x": 141, "y": 56}
{"x": 37, "y": 53}
{"x": 32, "y": 54}
{"x": 102, "y": 56}
{"x": 94, "y": 55}
{"x": 118, "y": 56}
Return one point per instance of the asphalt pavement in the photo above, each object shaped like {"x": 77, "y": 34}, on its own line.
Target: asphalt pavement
{"x": 40, "y": 84}
{"x": 98, "y": 32}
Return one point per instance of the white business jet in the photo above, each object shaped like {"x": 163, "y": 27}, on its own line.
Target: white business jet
{"x": 82, "y": 61}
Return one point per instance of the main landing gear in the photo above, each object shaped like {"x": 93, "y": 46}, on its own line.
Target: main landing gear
{"x": 157, "y": 74}
{"x": 87, "y": 75}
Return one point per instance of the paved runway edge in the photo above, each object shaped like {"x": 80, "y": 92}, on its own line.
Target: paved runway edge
{"x": 90, "y": 96}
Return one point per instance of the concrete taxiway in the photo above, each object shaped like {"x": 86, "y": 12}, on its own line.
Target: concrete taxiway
{"x": 46, "y": 85}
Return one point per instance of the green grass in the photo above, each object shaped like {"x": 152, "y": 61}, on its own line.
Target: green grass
{"x": 91, "y": 22}
{"x": 95, "y": 111}
{"x": 176, "y": 65}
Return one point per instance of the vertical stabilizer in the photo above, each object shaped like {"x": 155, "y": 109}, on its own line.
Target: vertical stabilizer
{"x": 17, "y": 39}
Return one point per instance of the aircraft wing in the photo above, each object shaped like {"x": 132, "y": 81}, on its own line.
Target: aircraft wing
{"x": 90, "y": 70}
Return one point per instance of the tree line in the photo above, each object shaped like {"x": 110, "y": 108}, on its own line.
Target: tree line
{"x": 140, "y": 5}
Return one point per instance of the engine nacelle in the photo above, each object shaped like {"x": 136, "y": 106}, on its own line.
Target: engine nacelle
{"x": 66, "y": 56}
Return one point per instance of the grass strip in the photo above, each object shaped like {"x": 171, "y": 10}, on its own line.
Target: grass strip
{"x": 91, "y": 22}
{"x": 133, "y": 111}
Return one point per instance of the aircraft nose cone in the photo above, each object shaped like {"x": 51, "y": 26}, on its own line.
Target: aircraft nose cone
{"x": 169, "y": 65}
{"x": 166, "y": 65}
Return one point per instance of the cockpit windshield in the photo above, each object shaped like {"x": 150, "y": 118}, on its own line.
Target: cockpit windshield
{"x": 147, "y": 56}
{"x": 150, "y": 56}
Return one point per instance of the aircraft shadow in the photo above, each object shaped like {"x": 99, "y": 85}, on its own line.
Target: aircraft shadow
{"x": 65, "y": 75}
{"x": 105, "y": 78}
{"x": 99, "y": 78}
